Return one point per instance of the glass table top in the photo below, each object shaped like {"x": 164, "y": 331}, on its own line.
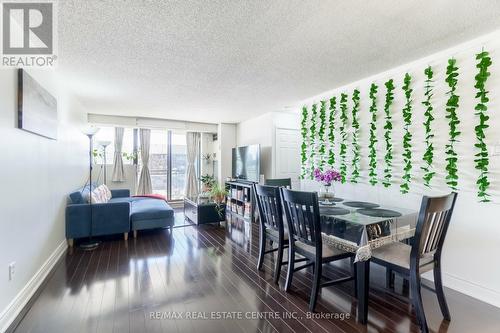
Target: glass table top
{"x": 200, "y": 200}
{"x": 357, "y": 214}
{"x": 360, "y": 222}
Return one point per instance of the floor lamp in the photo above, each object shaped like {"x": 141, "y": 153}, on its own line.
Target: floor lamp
{"x": 104, "y": 145}
{"x": 90, "y": 244}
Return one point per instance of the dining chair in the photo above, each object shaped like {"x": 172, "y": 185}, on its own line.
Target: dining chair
{"x": 281, "y": 182}
{"x": 424, "y": 254}
{"x": 304, "y": 228}
{"x": 271, "y": 225}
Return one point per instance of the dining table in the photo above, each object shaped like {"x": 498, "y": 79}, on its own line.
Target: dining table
{"x": 359, "y": 227}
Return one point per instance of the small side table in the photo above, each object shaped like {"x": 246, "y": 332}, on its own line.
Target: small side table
{"x": 203, "y": 213}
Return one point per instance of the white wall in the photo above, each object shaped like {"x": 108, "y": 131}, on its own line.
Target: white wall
{"x": 226, "y": 140}
{"x": 473, "y": 239}
{"x": 36, "y": 175}
{"x": 208, "y": 146}
{"x": 262, "y": 130}
{"x": 258, "y": 130}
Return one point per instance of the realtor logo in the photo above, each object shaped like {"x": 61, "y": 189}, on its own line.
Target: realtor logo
{"x": 28, "y": 34}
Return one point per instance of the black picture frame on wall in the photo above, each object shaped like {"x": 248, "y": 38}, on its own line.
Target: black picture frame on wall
{"x": 36, "y": 107}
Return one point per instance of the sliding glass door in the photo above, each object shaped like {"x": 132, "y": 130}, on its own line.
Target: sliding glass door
{"x": 167, "y": 163}
{"x": 158, "y": 162}
{"x": 178, "y": 166}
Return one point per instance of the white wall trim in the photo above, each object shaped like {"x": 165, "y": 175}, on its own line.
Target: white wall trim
{"x": 9, "y": 314}
{"x": 468, "y": 288}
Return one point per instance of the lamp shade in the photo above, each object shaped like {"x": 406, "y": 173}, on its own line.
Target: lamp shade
{"x": 90, "y": 130}
{"x": 104, "y": 143}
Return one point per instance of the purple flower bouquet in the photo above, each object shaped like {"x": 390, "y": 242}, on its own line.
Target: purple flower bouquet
{"x": 326, "y": 179}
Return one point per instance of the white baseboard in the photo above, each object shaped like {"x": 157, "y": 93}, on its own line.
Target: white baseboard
{"x": 469, "y": 288}
{"x": 9, "y": 314}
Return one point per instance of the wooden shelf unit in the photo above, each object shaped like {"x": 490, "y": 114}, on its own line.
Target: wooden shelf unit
{"x": 240, "y": 200}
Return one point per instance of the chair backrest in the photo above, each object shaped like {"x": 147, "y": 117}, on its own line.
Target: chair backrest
{"x": 281, "y": 182}
{"x": 269, "y": 205}
{"x": 302, "y": 216}
{"x": 432, "y": 224}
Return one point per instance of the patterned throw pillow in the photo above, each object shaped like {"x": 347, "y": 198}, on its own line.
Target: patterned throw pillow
{"x": 107, "y": 192}
{"x": 96, "y": 197}
{"x": 100, "y": 194}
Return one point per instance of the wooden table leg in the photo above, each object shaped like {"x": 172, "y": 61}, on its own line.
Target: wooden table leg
{"x": 363, "y": 285}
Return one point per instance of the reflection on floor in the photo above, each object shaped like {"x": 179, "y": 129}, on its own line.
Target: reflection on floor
{"x": 180, "y": 221}
{"x": 173, "y": 282}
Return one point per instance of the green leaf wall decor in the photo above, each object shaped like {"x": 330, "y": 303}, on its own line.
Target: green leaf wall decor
{"x": 356, "y": 155}
{"x": 428, "y": 156}
{"x": 303, "y": 147}
{"x": 389, "y": 97}
{"x": 343, "y": 136}
{"x": 312, "y": 138}
{"x": 407, "y": 118}
{"x": 331, "y": 131}
{"x": 372, "y": 154}
{"x": 482, "y": 158}
{"x": 321, "y": 134}
{"x": 452, "y": 105}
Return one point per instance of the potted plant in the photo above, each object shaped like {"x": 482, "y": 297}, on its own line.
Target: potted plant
{"x": 208, "y": 182}
{"x": 219, "y": 194}
{"x": 326, "y": 179}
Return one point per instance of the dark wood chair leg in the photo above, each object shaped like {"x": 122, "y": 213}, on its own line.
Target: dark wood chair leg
{"x": 355, "y": 275}
{"x": 438, "y": 283}
{"x": 262, "y": 249}
{"x": 291, "y": 267}
{"x": 316, "y": 284}
{"x": 279, "y": 260}
{"x": 389, "y": 278}
{"x": 417, "y": 301}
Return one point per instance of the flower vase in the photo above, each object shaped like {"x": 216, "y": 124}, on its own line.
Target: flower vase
{"x": 327, "y": 193}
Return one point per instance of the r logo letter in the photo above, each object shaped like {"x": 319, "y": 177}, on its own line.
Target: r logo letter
{"x": 27, "y": 28}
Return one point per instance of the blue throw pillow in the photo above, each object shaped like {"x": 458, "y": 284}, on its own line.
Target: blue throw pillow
{"x": 76, "y": 197}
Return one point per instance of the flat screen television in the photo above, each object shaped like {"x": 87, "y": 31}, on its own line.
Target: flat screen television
{"x": 246, "y": 163}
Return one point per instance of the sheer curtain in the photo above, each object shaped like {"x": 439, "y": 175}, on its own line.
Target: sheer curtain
{"x": 118, "y": 172}
{"x": 145, "y": 186}
{"x": 193, "y": 151}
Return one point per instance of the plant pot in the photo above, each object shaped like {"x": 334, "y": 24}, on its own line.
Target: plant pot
{"x": 220, "y": 198}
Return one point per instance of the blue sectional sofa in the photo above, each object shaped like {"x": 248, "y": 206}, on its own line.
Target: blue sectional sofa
{"x": 121, "y": 214}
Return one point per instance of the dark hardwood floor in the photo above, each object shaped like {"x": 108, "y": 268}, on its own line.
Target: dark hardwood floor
{"x": 209, "y": 271}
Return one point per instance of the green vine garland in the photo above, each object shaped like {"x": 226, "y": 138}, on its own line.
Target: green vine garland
{"x": 451, "y": 110}
{"x": 303, "y": 151}
{"x": 312, "y": 137}
{"x": 407, "y": 113}
{"x": 428, "y": 156}
{"x": 356, "y": 155}
{"x": 372, "y": 155}
{"x": 343, "y": 136}
{"x": 389, "y": 97}
{"x": 331, "y": 131}
{"x": 482, "y": 160}
{"x": 321, "y": 134}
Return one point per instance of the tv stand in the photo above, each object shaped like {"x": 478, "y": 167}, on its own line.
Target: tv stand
{"x": 240, "y": 200}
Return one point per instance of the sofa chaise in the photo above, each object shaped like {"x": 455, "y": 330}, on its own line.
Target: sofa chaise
{"x": 121, "y": 214}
